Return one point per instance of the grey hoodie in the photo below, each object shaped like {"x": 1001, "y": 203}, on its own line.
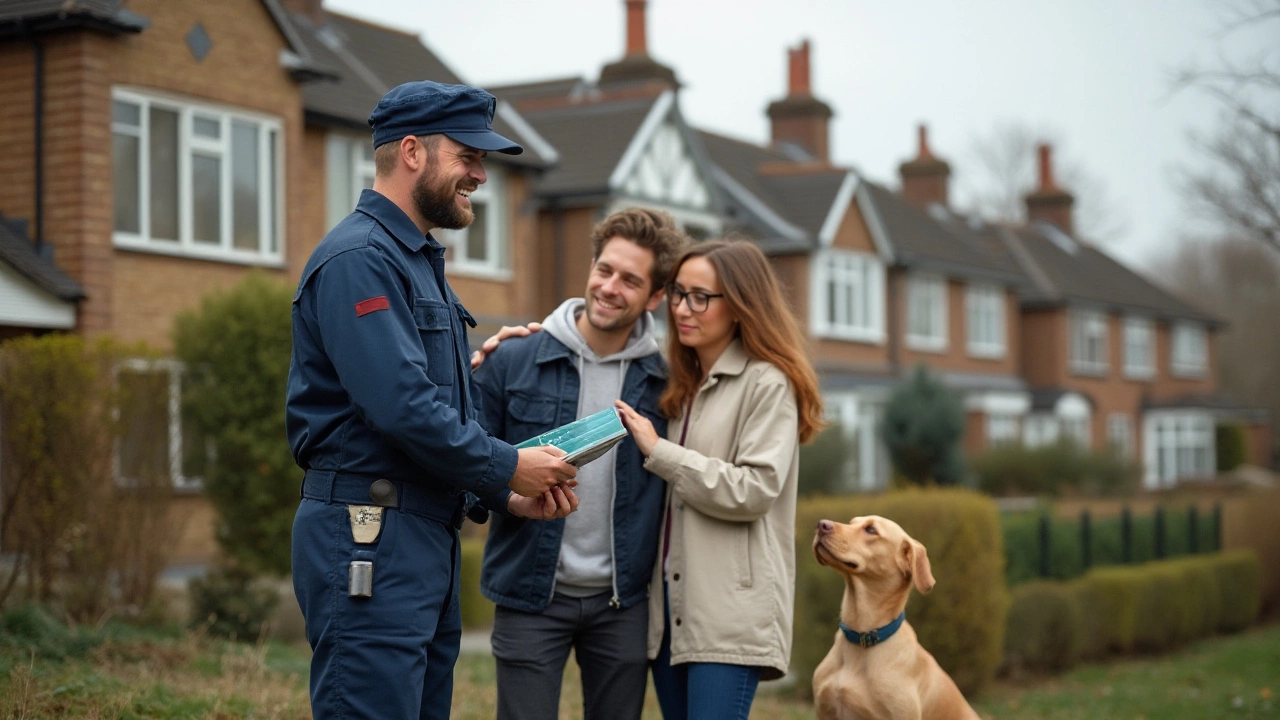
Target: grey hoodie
{"x": 586, "y": 552}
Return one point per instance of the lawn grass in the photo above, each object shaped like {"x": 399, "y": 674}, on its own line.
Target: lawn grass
{"x": 123, "y": 673}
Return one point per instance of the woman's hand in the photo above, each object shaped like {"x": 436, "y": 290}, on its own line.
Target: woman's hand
{"x": 639, "y": 427}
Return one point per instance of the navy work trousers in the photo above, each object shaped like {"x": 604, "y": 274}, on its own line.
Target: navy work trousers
{"x": 389, "y": 656}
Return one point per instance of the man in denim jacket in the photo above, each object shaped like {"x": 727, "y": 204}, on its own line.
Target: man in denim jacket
{"x": 581, "y": 582}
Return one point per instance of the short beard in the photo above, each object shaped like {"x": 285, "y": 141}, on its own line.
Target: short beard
{"x": 437, "y": 205}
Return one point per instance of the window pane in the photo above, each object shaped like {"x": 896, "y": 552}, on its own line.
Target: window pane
{"x": 477, "y": 234}
{"x": 144, "y": 421}
{"x": 124, "y": 182}
{"x": 126, "y": 113}
{"x": 244, "y": 186}
{"x": 206, "y": 205}
{"x": 163, "y": 191}
{"x": 366, "y": 151}
{"x": 197, "y": 450}
{"x": 273, "y": 244}
{"x": 206, "y": 127}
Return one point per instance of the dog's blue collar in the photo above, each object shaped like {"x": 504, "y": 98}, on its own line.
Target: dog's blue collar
{"x": 873, "y": 637}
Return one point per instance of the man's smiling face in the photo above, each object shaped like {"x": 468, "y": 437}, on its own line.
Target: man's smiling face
{"x": 443, "y": 190}
{"x": 620, "y": 287}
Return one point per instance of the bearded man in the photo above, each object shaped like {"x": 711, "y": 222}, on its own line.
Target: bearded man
{"x": 380, "y": 416}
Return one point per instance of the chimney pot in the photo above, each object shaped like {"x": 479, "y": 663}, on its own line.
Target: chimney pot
{"x": 798, "y": 83}
{"x": 1046, "y": 167}
{"x": 637, "y": 43}
{"x": 923, "y": 152}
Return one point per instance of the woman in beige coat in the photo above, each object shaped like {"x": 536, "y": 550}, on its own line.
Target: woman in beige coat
{"x": 742, "y": 397}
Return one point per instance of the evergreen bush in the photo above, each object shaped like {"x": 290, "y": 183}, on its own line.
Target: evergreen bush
{"x": 1061, "y": 468}
{"x": 230, "y": 602}
{"x": 823, "y": 461}
{"x": 922, "y": 428}
{"x": 236, "y": 349}
{"x": 1239, "y": 589}
{"x": 1231, "y": 446}
{"x": 1046, "y": 628}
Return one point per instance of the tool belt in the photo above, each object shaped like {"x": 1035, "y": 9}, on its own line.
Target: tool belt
{"x": 351, "y": 489}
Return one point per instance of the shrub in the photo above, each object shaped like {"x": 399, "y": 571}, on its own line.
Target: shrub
{"x": 922, "y": 428}
{"x": 1045, "y": 630}
{"x": 1110, "y": 599}
{"x": 1061, "y": 468}
{"x": 64, "y": 411}
{"x": 477, "y": 610}
{"x": 230, "y": 603}
{"x": 961, "y": 622}
{"x": 1239, "y": 575}
{"x": 822, "y": 462}
{"x": 236, "y": 349}
{"x": 1231, "y": 446}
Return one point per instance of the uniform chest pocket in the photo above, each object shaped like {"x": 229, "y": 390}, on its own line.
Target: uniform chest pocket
{"x": 529, "y": 415}
{"x": 436, "y": 329}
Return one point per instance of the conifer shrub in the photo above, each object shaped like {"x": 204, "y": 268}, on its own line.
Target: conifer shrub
{"x": 236, "y": 349}
{"x": 1230, "y": 445}
{"x": 922, "y": 429}
{"x": 1046, "y": 628}
{"x": 961, "y": 622}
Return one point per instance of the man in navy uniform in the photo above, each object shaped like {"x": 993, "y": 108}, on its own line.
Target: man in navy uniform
{"x": 381, "y": 416}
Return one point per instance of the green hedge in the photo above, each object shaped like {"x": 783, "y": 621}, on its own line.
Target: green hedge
{"x": 1066, "y": 554}
{"x": 1152, "y": 607}
{"x": 961, "y": 622}
{"x": 477, "y": 611}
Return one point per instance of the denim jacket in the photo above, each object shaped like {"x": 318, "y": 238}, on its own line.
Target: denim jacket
{"x": 530, "y": 385}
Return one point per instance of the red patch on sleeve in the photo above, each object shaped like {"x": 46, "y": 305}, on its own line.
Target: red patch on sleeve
{"x": 364, "y": 307}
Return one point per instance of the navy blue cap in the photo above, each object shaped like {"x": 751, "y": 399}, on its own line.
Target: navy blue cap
{"x": 462, "y": 112}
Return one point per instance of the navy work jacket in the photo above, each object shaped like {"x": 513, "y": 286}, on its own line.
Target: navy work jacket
{"x": 380, "y": 381}
{"x": 530, "y": 385}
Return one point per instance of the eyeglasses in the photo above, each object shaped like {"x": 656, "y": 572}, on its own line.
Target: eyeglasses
{"x": 698, "y": 301}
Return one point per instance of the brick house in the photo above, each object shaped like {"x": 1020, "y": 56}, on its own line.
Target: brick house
{"x": 160, "y": 150}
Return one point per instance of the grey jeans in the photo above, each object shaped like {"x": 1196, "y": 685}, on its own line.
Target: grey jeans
{"x": 531, "y": 650}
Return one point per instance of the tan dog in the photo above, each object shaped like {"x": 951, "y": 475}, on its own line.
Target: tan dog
{"x": 880, "y": 678}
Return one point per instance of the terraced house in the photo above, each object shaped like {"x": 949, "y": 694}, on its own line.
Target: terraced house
{"x": 158, "y": 150}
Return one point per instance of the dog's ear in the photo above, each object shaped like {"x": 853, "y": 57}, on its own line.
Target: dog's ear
{"x": 914, "y": 562}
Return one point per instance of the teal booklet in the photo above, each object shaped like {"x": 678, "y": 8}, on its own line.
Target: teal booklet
{"x": 583, "y": 440}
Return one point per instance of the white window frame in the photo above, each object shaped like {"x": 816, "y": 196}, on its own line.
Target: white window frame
{"x": 1039, "y": 429}
{"x": 1189, "y": 350}
{"x": 349, "y": 169}
{"x": 1086, "y": 356}
{"x": 1139, "y": 348}
{"x": 174, "y": 370}
{"x": 860, "y": 419}
{"x": 270, "y": 134}
{"x": 859, "y": 280}
{"x": 1003, "y": 428}
{"x": 985, "y": 320}
{"x": 1120, "y": 434}
{"x": 1177, "y": 444}
{"x": 926, "y": 312}
{"x": 496, "y": 264}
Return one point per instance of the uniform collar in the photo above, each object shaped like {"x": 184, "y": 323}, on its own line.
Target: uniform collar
{"x": 390, "y": 216}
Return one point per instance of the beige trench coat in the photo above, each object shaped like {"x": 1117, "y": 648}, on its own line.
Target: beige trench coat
{"x": 731, "y": 495}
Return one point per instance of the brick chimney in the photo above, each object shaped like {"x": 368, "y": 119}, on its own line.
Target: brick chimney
{"x": 800, "y": 118}
{"x": 310, "y": 9}
{"x": 1050, "y": 202}
{"x": 925, "y": 177}
{"x": 636, "y": 67}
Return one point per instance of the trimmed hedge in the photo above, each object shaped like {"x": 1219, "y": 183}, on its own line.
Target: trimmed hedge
{"x": 1153, "y": 607}
{"x": 961, "y": 622}
{"x": 477, "y": 611}
{"x": 1043, "y": 631}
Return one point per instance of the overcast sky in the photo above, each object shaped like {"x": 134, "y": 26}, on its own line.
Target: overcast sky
{"x": 1094, "y": 74}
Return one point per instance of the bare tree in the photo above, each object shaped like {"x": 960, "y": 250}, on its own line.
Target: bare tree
{"x": 1000, "y": 170}
{"x": 1238, "y": 280}
{"x": 1238, "y": 189}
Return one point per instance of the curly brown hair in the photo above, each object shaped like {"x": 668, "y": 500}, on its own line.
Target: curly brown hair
{"x": 652, "y": 229}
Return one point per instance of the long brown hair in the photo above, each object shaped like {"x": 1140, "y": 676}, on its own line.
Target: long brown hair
{"x": 768, "y": 330}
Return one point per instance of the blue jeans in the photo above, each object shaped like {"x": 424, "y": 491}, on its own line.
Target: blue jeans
{"x": 701, "y": 691}
{"x": 389, "y": 656}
